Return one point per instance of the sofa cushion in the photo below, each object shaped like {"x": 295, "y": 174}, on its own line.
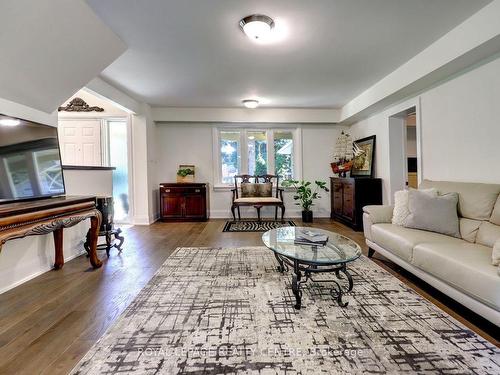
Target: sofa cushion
{"x": 469, "y": 228}
{"x": 495, "y": 255}
{"x": 495, "y": 215}
{"x": 435, "y": 214}
{"x": 400, "y": 240}
{"x": 488, "y": 234}
{"x": 475, "y": 201}
{"x": 465, "y": 266}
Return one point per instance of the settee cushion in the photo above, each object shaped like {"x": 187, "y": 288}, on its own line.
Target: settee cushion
{"x": 400, "y": 240}
{"x": 465, "y": 266}
{"x": 257, "y": 200}
{"x": 475, "y": 201}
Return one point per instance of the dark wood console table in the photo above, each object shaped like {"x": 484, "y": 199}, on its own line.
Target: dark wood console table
{"x": 52, "y": 215}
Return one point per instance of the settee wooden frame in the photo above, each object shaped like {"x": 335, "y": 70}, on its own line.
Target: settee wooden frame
{"x": 266, "y": 178}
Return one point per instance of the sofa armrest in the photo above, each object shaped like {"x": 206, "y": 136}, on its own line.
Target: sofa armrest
{"x": 375, "y": 215}
{"x": 379, "y": 214}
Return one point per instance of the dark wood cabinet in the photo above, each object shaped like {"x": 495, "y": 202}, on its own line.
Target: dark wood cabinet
{"x": 184, "y": 202}
{"x": 350, "y": 195}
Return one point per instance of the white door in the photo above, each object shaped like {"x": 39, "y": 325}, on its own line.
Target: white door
{"x": 80, "y": 142}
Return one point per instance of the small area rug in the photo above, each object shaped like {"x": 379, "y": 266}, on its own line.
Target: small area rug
{"x": 255, "y": 226}
{"x": 228, "y": 311}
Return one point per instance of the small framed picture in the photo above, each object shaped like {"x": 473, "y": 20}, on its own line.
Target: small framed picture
{"x": 364, "y": 157}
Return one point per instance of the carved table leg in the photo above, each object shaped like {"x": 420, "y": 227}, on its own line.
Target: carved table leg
{"x": 58, "y": 245}
{"x": 95, "y": 222}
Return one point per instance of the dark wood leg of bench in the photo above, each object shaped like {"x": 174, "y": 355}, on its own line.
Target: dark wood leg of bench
{"x": 370, "y": 252}
{"x": 276, "y": 213}
{"x": 239, "y": 213}
{"x": 282, "y": 212}
{"x": 258, "y": 212}
{"x": 232, "y": 211}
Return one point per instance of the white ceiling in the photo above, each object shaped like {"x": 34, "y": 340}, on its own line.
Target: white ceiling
{"x": 191, "y": 53}
{"x": 44, "y": 48}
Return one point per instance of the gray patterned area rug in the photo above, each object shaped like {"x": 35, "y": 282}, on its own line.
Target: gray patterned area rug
{"x": 228, "y": 311}
{"x": 255, "y": 226}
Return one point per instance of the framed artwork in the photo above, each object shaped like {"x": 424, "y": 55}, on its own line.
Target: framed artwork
{"x": 364, "y": 157}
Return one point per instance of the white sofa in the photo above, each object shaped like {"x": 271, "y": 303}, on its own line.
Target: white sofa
{"x": 459, "y": 267}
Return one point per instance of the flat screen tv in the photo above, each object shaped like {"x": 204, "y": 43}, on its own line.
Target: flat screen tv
{"x": 30, "y": 161}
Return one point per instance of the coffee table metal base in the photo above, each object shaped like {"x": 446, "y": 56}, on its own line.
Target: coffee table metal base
{"x": 304, "y": 269}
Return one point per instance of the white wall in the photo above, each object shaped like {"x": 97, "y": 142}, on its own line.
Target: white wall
{"x": 191, "y": 143}
{"x": 459, "y": 125}
{"x": 23, "y": 259}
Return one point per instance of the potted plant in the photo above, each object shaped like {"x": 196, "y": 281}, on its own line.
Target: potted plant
{"x": 305, "y": 194}
{"x": 185, "y": 173}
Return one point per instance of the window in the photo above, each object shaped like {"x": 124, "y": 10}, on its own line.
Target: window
{"x": 255, "y": 152}
{"x": 230, "y": 156}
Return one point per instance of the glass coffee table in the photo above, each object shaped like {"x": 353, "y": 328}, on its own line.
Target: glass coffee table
{"x": 306, "y": 260}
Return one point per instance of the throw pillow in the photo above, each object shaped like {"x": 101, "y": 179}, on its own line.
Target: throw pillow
{"x": 266, "y": 189}
{"x": 401, "y": 210}
{"x": 249, "y": 190}
{"x": 435, "y": 214}
{"x": 496, "y": 254}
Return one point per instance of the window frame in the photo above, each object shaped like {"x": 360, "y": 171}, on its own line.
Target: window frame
{"x": 243, "y": 130}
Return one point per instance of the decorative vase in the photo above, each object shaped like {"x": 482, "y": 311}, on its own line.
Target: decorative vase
{"x": 307, "y": 216}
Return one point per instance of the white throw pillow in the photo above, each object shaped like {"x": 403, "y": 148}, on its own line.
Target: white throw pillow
{"x": 496, "y": 254}
{"x": 401, "y": 210}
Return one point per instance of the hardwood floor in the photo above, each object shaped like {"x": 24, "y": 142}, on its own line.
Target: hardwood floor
{"x": 50, "y": 322}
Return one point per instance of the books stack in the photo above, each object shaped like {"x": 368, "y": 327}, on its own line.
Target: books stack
{"x": 309, "y": 237}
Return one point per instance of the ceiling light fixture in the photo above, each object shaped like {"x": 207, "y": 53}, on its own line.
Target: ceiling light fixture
{"x": 257, "y": 26}
{"x": 7, "y": 121}
{"x": 250, "y": 103}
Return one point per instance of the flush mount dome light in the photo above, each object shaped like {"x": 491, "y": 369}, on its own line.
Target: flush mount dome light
{"x": 257, "y": 26}
{"x": 250, "y": 103}
{"x": 9, "y": 121}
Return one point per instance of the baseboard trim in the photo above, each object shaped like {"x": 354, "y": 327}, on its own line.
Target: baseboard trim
{"x": 38, "y": 273}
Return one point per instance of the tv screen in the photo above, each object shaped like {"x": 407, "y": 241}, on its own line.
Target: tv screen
{"x": 30, "y": 161}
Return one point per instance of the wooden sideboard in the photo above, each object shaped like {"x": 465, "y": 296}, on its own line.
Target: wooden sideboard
{"x": 184, "y": 202}
{"x": 350, "y": 195}
{"x": 52, "y": 215}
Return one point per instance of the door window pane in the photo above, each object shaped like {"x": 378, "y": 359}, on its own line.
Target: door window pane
{"x": 118, "y": 158}
{"x": 283, "y": 154}
{"x": 229, "y": 155}
{"x": 257, "y": 152}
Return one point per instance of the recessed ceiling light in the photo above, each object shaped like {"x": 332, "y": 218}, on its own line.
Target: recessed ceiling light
{"x": 257, "y": 26}
{"x": 7, "y": 121}
{"x": 250, "y": 103}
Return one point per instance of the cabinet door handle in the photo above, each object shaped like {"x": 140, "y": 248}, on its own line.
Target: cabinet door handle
{"x": 197, "y": 190}
{"x": 167, "y": 190}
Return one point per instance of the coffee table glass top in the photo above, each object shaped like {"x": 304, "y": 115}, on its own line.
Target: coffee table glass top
{"x": 339, "y": 249}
